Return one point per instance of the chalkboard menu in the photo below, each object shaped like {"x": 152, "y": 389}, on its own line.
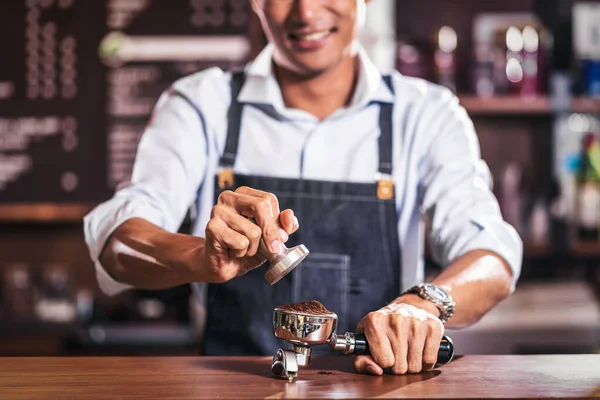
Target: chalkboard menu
{"x": 79, "y": 79}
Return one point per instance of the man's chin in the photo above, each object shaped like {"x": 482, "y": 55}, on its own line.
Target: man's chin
{"x": 311, "y": 68}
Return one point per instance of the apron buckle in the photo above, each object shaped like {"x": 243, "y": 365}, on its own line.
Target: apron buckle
{"x": 225, "y": 178}
{"x": 385, "y": 189}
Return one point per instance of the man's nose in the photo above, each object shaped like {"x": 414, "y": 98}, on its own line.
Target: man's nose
{"x": 307, "y": 10}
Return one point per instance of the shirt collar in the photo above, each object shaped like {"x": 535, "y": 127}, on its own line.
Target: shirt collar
{"x": 261, "y": 86}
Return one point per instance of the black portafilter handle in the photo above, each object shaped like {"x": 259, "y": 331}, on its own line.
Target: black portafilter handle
{"x": 445, "y": 353}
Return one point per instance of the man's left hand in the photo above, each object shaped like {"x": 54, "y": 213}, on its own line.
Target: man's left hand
{"x": 403, "y": 336}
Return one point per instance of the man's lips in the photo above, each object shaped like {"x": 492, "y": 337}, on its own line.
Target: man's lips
{"x": 312, "y": 36}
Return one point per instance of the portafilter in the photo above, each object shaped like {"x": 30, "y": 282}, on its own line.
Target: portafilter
{"x": 305, "y": 330}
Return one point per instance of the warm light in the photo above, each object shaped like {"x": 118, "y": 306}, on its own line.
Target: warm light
{"x": 514, "y": 70}
{"x": 65, "y": 3}
{"x": 32, "y": 46}
{"x": 68, "y": 44}
{"x": 531, "y": 39}
{"x": 32, "y": 92}
{"x": 32, "y": 78}
{"x": 514, "y": 39}
{"x": 68, "y": 75}
{"x": 69, "y": 91}
{"x": 69, "y": 181}
{"x": 49, "y": 75}
{"x": 46, "y": 3}
{"x": 49, "y": 91}
{"x": 33, "y": 60}
{"x": 32, "y": 32}
{"x": 49, "y": 60}
{"x": 581, "y": 123}
{"x": 32, "y": 16}
{"x": 48, "y": 48}
{"x": 69, "y": 124}
{"x": 70, "y": 142}
{"x": 408, "y": 54}
{"x": 68, "y": 60}
{"x": 447, "y": 39}
{"x": 49, "y": 30}
{"x": 7, "y": 89}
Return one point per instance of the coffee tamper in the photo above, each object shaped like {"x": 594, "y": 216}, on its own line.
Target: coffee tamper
{"x": 282, "y": 263}
{"x": 305, "y": 330}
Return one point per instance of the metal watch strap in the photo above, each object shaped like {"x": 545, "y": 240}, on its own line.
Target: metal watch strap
{"x": 446, "y": 310}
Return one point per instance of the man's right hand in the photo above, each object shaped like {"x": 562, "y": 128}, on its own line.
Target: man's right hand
{"x": 232, "y": 240}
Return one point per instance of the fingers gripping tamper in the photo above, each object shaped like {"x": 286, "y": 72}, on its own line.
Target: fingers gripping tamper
{"x": 282, "y": 263}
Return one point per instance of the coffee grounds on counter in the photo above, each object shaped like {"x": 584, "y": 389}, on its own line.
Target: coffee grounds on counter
{"x": 312, "y": 307}
{"x": 326, "y": 373}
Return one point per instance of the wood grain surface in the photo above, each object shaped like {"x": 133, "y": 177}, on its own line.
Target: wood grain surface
{"x": 514, "y": 377}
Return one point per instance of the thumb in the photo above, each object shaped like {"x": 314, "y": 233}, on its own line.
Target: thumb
{"x": 364, "y": 364}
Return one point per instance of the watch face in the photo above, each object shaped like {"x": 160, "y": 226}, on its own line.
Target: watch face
{"x": 437, "y": 293}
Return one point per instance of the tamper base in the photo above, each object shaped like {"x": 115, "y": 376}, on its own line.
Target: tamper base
{"x": 283, "y": 265}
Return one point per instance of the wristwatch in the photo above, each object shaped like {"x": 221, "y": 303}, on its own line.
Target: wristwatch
{"x": 438, "y": 296}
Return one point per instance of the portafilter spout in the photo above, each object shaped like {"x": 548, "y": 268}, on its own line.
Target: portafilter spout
{"x": 304, "y": 330}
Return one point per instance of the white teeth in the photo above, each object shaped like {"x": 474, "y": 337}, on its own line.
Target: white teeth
{"x": 313, "y": 36}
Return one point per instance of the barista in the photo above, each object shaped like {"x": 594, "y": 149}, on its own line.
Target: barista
{"x": 319, "y": 148}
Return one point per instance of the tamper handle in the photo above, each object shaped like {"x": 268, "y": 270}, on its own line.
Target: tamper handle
{"x": 445, "y": 353}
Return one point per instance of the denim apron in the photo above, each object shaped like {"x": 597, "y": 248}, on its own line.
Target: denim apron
{"x": 350, "y": 230}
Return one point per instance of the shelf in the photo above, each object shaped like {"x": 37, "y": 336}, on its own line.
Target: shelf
{"x": 585, "y": 249}
{"x": 138, "y": 334}
{"x": 503, "y": 105}
{"x": 536, "y": 251}
{"x": 586, "y": 105}
{"x": 515, "y": 105}
{"x": 43, "y": 212}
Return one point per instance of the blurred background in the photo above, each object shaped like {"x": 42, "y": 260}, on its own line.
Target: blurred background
{"x": 79, "y": 78}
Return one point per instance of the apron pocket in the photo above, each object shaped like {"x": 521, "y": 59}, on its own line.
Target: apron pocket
{"x": 324, "y": 277}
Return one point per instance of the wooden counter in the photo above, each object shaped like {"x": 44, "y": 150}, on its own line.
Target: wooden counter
{"x": 541, "y": 377}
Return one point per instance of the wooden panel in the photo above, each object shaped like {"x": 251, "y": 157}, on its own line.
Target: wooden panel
{"x": 518, "y": 377}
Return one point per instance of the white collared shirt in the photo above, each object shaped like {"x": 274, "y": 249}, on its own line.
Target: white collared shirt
{"x": 438, "y": 169}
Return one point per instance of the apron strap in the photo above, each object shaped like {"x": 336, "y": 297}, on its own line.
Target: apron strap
{"x": 234, "y": 117}
{"x": 234, "y": 121}
{"x": 385, "y": 185}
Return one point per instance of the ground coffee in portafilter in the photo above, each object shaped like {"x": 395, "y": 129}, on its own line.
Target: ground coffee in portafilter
{"x": 312, "y": 307}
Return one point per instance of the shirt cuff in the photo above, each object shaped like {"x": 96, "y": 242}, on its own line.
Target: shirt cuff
{"x": 99, "y": 225}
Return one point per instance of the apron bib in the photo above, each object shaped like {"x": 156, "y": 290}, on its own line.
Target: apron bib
{"x": 350, "y": 230}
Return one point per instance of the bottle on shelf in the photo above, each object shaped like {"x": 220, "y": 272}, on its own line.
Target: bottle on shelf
{"x": 587, "y": 209}
{"x": 412, "y": 59}
{"x": 445, "y": 57}
{"x": 56, "y": 303}
{"x": 586, "y": 28}
{"x": 17, "y": 290}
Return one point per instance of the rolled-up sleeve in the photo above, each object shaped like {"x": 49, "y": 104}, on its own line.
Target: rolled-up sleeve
{"x": 455, "y": 191}
{"x": 168, "y": 170}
